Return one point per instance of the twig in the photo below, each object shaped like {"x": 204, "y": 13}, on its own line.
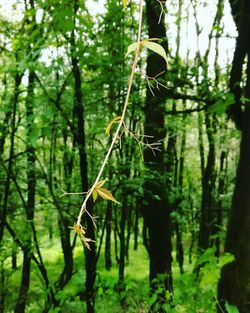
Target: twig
{"x": 89, "y": 193}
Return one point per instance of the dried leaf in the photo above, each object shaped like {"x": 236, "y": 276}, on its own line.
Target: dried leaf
{"x": 81, "y": 232}
{"x": 86, "y": 241}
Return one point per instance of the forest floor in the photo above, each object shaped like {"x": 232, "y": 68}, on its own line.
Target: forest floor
{"x": 189, "y": 295}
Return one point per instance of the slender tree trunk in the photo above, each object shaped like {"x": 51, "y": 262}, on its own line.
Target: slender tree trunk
{"x": 90, "y": 255}
{"x": 38, "y": 261}
{"x": 136, "y": 227}
{"x": 67, "y": 252}
{"x": 208, "y": 214}
{"x": 64, "y": 221}
{"x": 3, "y": 212}
{"x": 30, "y": 207}
{"x": 108, "y": 260}
{"x": 121, "y": 286}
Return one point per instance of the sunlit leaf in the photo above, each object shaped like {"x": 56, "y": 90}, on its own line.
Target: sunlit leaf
{"x": 131, "y": 48}
{"x": 222, "y": 104}
{"x": 125, "y": 3}
{"x": 155, "y": 47}
{"x": 107, "y": 195}
{"x": 100, "y": 183}
{"x": 94, "y": 194}
{"x": 231, "y": 308}
{"x": 102, "y": 192}
{"x": 81, "y": 232}
{"x": 226, "y": 258}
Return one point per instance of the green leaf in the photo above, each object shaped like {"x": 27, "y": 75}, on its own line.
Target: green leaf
{"x": 155, "y": 47}
{"x": 226, "y": 258}
{"x": 231, "y": 308}
{"x": 131, "y": 48}
{"x": 210, "y": 278}
{"x": 221, "y": 106}
{"x": 33, "y": 136}
{"x": 63, "y": 18}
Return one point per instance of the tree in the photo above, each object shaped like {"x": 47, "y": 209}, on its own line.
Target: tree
{"x": 235, "y": 278}
{"x": 156, "y": 209}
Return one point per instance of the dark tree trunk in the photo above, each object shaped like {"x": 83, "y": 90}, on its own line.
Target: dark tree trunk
{"x": 235, "y": 278}
{"x": 136, "y": 227}
{"x": 3, "y": 212}
{"x": 155, "y": 207}
{"x": 51, "y": 295}
{"x": 30, "y": 207}
{"x": 121, "y": 286}
{"x": 25, "y": 281}
{"x": 90, "y": 255}
{"x": 67, "y": 252}
{"x": 221, "y": 191}
{"x": 179, "y": 242}
{"x": 108, "y": 260}
{"x": 64, "y": 221}
{"x": 208, "y": 215}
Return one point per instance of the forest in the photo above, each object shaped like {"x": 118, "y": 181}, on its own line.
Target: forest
{"x": 125, "y": 156}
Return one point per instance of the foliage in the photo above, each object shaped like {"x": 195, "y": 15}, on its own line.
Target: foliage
{"x": 40, "y": 120}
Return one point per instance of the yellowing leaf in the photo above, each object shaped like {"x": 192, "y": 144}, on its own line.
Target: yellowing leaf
{"x": 86, "y": 241}
{"x": 100, "y": 183}
{"x": 81, "y": 232}
{"x": 106, "y": 194}
{"x": 131, "y": 48}
{"x": 150, "y": 39}
{"x": 155, "y": 47}
{"x": 94, "y": 194}
{"x": 102, "y": 192}
{"x": 124, "y": 2}
{"x": 115, "y": 120}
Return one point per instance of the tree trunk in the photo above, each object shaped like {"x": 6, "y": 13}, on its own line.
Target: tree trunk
{"x": 3, "y": 212}
{"x": 155, "y": 209}
{"x": 234, "y": 285}
{"x": 30, "y": 207}
{"x": 90, "y": 255}
{"x": 208, "y": 215}
{"x": 235, "y": 278}
{"x": 108, "y": 260}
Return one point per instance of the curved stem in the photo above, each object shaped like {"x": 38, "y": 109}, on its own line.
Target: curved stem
{"x": 83, "y": 207}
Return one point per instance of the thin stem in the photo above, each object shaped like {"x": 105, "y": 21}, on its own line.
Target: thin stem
{"x": 83, "y": 207}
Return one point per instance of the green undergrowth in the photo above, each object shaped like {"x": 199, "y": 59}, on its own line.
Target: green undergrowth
{"x": 191, "y": 295}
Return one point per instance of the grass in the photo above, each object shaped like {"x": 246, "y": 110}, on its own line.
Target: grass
{"x": 188, "y": 296}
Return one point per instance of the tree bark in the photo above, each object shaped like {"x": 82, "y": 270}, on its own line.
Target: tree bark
{"x": 155, "y": 208}
{"x": 30, "y": 207}
{"x": 90, "y": 255}
{"x": 235, "y": 277}
{"x": 18, "y": 78}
